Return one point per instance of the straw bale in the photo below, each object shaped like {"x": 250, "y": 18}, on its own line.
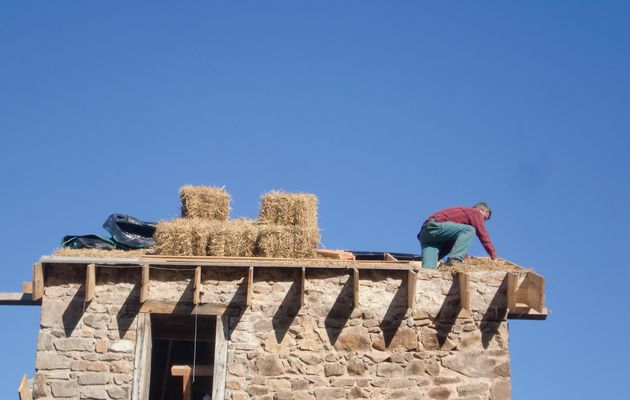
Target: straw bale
{"x": 182, "y": 237}
{"x": 298, "y": 209}
{"x": 288, "y": 241}
{"x": 482, "y": 264}
{"x": 211, "y": 203}
{"x": 233, "y": 238}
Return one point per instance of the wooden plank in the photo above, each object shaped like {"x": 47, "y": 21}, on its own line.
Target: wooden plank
{"x": 142, "y": 359}
{"x": 239, "y": 262}
{"x": 144, "y": 283}
{"x": 200, "y": 370}
{"x": 303, "y": 288}
{"x": 412, "y": 278}
{"x": 464, "y": 289}
{"x": 23, "y": 390}
{"x": 175, "y": 307}
{"x": 220, "y": 358}
{"x": 336, "y": 254}
{"x": 512, "y": 286}
{"x": 389, "y": 257}
{"x": 38, "y": 281}
{"x": 250, "y": 286}
{"x": 355, "y": 287}
{"x": 534, "y": 286}
{"x": 197, "y": 286}
{"x": 525, "y": 312}
{"x": 27, "y": 287}
{"x": 18, "y": 299}
{"x": 90, "y": 282}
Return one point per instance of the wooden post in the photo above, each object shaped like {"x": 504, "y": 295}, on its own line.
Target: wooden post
{"x": 535, "y": 291}
{"x": 355, "y": 287}
{"x": 197, "y": 283}
{"x": 220, "y": 357}
{"x": 142, "y": 363}
{"x": 38, "y": 281}
{"x": 27, "y": 287}
{"x": 250, "y": 286}
{"x": 23, "y": 390}
{"x": 302, "y": 287}
{"x": 90, "y": 282}
{"x": 512, "y": 283}
{"x": 464, "y": 290}
{"x": 144, "y": 283}
{"x": 411, "y": 288}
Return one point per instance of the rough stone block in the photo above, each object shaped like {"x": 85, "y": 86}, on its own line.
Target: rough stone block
{"x": 65, "y": 389}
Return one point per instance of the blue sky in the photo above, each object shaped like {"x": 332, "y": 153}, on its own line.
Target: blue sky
{"x": 386, "y": 111}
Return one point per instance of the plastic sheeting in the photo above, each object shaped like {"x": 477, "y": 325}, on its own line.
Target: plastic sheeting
{"x": 87, "y": 242}
{"x": 129, "y": 232}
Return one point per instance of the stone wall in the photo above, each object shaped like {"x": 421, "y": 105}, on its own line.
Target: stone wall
{"x": 277, "y": 350}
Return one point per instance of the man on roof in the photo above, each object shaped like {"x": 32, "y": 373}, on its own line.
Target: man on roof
{"x": 450, "y": 232}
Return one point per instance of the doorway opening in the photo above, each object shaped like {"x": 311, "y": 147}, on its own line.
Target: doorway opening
{"x": 182, "y": 357}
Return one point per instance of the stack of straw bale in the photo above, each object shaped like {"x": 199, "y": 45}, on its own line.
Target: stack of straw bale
{"x": 209, "y": 203}
{"x": 288, "y": 225}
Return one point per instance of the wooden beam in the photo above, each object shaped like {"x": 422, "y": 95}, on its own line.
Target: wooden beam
{"x": 18, "y": 299}
{"x": 303, "y": 288}
{"x": 355, "y": 287}
{"x": 526, "y": 290}
{"x": 250, "y": 286}
{"x": 23, "y": 390}
{"x": 336, "y": 254}
{"x": 525, "y": 312}
{"x": 144, "y": 283}
{"x": 464, "y": 289}
{"x": 183, "y": 370}
{"x": 220, "y": 358}
{"x": 90, "y": 282}
{"x": 389, "y": 257}
{"x": 38, "y": 281}
{"x": 175, "y": 307}
{"x": 27, "y": 287}
{"x": 236, "y": 262}
{"x": 197, "y": 283}
{"x": 412, "y": 278}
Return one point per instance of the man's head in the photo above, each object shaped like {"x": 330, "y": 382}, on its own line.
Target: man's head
{"x": 485, "y": 210}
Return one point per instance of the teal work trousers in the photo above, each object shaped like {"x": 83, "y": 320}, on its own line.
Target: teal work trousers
{"x": 438, "y": 239}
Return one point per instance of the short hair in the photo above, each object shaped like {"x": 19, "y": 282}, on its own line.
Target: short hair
{"x": 484, "y": 206}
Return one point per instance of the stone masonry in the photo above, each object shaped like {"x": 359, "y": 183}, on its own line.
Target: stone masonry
{"x": 277, "y": 350}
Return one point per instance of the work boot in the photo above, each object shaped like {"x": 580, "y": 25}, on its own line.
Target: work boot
{"x": 451, "y": 262}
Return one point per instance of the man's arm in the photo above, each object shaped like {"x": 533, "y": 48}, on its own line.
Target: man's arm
{"x": 482, "y": 234}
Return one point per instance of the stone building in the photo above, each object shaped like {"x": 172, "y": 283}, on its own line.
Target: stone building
{"x": 252, "y": 328}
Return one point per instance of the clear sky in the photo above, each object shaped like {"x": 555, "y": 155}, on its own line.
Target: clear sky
{"x": 387, "y": 111}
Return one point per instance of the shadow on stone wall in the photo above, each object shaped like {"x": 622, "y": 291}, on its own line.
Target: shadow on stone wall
{"x": 235, "y": 309}
{"x": 447, "y": 315}
{"x": 395, "y": 313}
{"x": 495, "y": 315}
{"x": 128, "y": 310}
{"x": 339, "y": 313}
{"x": 287, "y": 311}
{"x": 74, "y": 311}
